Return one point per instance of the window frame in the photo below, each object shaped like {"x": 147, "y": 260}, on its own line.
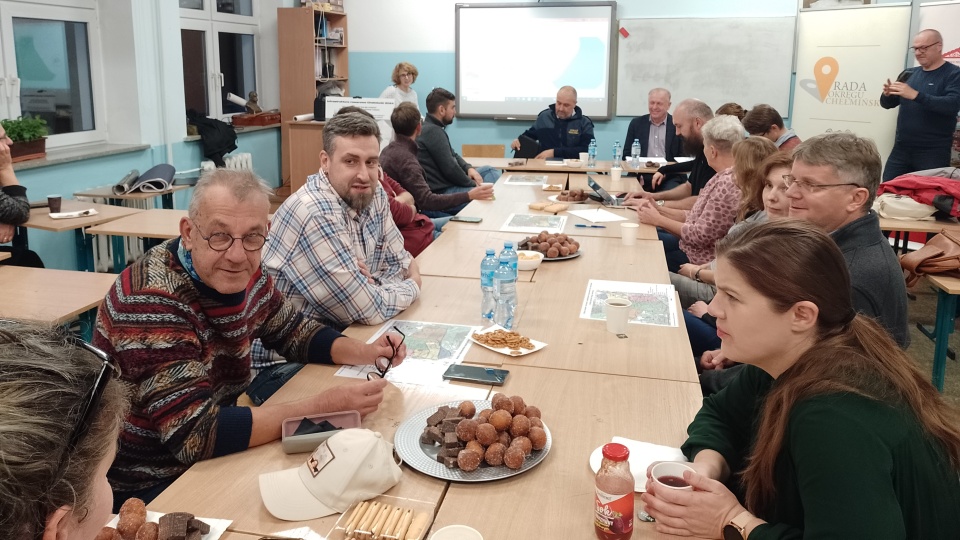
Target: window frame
{"x": 8, "y": 67}
{"x": 212, "y": 23}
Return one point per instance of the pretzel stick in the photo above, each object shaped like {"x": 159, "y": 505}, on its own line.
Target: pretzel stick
{"x": 391, "y": 523}
{"x": 381, "y": 519}
{"x": 401, "y": 531}
{"x": 355, "y": 517}
{"x": 417, "y": 527}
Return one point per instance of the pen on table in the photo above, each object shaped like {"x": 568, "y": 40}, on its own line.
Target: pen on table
{"x": 583, "y": 226}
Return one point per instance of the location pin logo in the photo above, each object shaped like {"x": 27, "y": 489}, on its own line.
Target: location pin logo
{"x": 825, "y": 71}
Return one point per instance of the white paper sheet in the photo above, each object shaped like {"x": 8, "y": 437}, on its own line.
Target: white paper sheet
{"x": 514, "y": 179}
{"x": 642, "y": 455}
{"x": 597, "y": 215}
{"x": 651, "y": 303}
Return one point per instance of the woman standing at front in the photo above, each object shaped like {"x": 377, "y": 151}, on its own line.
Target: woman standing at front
{"x": 830, "y": 431}
{"x": 404, "y": 75}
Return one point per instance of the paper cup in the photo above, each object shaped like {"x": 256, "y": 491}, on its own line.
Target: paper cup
{"x": 669, "y": 475}
{"x": 628, "y": 233}
{"x": 584, "y": 157}
{"x": 615, "y": 173}
{"x": 457, "y": 532}
{"x": 617, "y": 311}
{"x": 53, "y": 202}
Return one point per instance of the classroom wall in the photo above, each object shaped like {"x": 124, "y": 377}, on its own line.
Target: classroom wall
{"x": 427, "y": 40}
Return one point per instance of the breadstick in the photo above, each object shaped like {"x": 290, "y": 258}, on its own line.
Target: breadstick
{"x": 381, "y": 519}
{"x": 404, "y": 524}
{"x": 417, "y": 526}
{"x": 391, "y": 524}
{"x": 368, "y": 517}
{"x": 355, "y": 517}
{"x": 368, "y": 532}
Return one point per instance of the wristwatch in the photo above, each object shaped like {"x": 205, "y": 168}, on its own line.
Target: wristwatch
{"x": 737, "y": 528}
{"x": 660, "y": 202}
{"x": 697, "y": 275}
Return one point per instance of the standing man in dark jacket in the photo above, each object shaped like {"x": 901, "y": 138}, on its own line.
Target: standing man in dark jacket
{"x": 443, "y": 168}
{"x": 657, "y": 137}
{"x": 561, "y": 129}
{"x": 929, "y": 98}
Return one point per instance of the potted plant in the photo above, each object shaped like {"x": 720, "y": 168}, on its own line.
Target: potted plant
{"x": 28, "y": 134}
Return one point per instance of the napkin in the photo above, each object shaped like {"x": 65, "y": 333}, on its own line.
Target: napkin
{"x": 642, "y": 454}
{"x": 75, "y": 214}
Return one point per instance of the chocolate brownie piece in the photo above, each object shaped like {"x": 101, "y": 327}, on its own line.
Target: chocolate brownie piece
{"x": 435, "y": 418}
{"x": 435, "y": 435}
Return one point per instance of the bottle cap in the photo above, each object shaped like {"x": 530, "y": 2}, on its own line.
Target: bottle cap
{"x": 491, "y": 252}
{"x": 616, "y": 452}
{"x": 508, "y": 245}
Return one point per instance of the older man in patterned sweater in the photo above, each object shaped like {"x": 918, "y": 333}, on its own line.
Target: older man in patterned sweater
{"x": 180, "y": 322}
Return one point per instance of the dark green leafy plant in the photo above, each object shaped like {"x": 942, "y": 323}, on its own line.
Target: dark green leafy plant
{"x": 25, "y": 128}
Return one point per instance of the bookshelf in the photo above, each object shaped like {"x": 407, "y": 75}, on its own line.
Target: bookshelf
{"x": 306, "y": 37}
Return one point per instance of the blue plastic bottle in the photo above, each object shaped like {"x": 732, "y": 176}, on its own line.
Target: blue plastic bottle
{"x": 488, "y": 302}
{"x": 617, "y": 154}
{"x": 506, "y": 285}
{"x": 592, "y": 153}
{"x": 508, "y": 254}
{"x": 635, "y": 152}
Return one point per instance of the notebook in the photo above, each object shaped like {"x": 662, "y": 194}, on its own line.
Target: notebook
{"x": 157, "y": 179}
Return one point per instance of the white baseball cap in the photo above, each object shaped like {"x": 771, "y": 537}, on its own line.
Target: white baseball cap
{"x": 351, "y": 466}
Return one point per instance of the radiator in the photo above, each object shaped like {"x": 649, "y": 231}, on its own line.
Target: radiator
{"x": 102, "y": 250}
{"x": 243, "y": 161}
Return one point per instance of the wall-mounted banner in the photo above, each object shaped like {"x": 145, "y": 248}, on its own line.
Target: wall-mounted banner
{"x": 843, "y": 58}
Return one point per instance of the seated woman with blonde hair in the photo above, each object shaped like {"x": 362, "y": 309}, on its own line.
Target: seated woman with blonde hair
{"x": 60, "y": 410}
{"x": 830, "y": 430}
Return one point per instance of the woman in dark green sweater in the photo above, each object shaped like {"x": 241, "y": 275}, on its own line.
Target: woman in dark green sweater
{"x": 831, "y": 431}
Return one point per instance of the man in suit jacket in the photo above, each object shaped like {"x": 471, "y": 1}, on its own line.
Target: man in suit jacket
{"x": 657, "y": 136}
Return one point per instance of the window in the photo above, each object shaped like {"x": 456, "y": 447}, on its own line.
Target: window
{"x": 50, "y": 62}
{"x": 219, "y": 41}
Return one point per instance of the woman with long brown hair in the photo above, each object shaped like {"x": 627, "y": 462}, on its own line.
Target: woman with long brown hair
{"x": 830, "y": 431}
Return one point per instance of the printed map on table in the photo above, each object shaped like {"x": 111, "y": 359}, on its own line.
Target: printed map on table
{"x": 431, "y": 348}
{"x": 651, "y": 303}
{"x": 534, "y": 223}
{"x": 525, "y": 179}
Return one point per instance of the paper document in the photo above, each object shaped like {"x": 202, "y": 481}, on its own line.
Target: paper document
{"x": 534, "y": 223}
{"x": 431, "y": 348}
{"x": 651, "y": 303}
{"x": 597, "y": 215}
{"x": 525, "y": 179}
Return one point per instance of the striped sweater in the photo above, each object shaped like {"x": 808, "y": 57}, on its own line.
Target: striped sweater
{"x": 184, "y": 350}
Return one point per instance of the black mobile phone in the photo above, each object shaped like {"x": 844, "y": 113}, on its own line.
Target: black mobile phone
{"x": 904, "y": 75}
{"x": 460, "y": 372}
{"x": 466, "y": 219}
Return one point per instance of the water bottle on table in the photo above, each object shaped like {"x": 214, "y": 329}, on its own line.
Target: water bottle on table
{"x": 488, "y": 301}
{"x": 617, "y": 154}
{"x": 505, "y": 281}
{"x": 635, "y": 152}
{"x": 592, "y": 153}
{"x": 510, "y": 255}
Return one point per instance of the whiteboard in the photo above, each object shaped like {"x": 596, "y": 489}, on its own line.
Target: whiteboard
{"x": 743, "y": 60}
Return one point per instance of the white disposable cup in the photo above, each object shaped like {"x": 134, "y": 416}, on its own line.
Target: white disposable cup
{"x": 617, "y": 311}
{"x": 615, "y": 173}
{"x": 584, "y": 156}
{"x": 457, "y": 532}
{"x": 670, "y": 468}
{"x": 628, "y": 233}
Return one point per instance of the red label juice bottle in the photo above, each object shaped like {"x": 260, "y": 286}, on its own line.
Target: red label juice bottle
{"x": 614, "y": 499}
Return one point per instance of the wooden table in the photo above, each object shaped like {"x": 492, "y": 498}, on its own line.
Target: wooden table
{"x": 229, "y": 487}
{"x": 40, "y": 219}
{"x": 931, "y": 226}
{"x": 555, "y": 166}
{"x": 52, "y": 296}
{"x": 555, "y": 499}
{"x": 624, "y": 184}
{"x": 495, "y": 162}
{"x": 106, "y": 192}
{"x": 496, "y": 213}
{"x": 4, "y": 255}
{"x": 459, "y": 250}
{"x": 504, "y": 191}
{"x": 454, "y": 301}
{"x": 148, "y": 225}
{"x": 947, "y": 290}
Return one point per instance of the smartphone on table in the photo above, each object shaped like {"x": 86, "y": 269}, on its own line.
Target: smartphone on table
{"x": 466, "y": 219}
{"x": 477, "y": 374}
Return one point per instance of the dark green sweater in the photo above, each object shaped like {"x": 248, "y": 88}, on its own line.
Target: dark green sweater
{"x": 850, "y": 467}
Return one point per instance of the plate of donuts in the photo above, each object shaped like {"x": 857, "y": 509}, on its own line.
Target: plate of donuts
{"x": 433, "y": 454}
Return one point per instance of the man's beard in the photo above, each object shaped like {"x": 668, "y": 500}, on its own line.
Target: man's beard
{"x": 360, "y": 201}
{"x": 691, "y": 147}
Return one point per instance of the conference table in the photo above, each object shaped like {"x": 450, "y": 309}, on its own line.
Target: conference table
{"x": 590, "y": 384}
{"x": 106, "y": 192}
{"x": 576, "y": 166}
{"x": 40, "y": 219}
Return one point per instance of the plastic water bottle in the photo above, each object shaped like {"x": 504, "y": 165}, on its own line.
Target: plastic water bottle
{"x": 508, "y": 254}
{"x": 635, "y": 151}
{"x": 488, "y": 302}
{"x": 592, "y": 153}
{"x": 505, "y": 282}
{"x": 617, "y": 153}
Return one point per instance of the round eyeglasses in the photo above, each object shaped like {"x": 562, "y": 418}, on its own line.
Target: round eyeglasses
{"x": 220, "y": 241}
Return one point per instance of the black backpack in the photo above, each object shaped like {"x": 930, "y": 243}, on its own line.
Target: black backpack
{"x": 218, "y": 137}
